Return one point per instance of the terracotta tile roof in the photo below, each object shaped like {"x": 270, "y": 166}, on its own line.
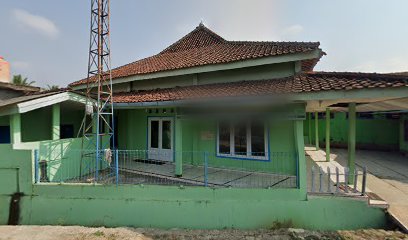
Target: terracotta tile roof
{"x": 203, "y": 47}
{"x": 310, "y": 82}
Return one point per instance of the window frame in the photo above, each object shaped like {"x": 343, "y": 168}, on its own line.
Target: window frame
{"x": 248, "y": 143}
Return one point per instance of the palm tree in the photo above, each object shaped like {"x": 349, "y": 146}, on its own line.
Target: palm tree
{"x": 52, "y": 87}
{"x": 19, "y": 80}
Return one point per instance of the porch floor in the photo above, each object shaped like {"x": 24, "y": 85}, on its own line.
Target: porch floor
{"x": 387, "y": 176}
{"x": 146, "y": 172}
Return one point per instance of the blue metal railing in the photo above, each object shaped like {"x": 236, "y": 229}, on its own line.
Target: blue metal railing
{"x": 198, "y": 168}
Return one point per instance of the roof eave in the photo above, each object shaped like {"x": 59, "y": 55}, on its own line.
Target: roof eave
{"x": 40, "y": 102}
{"x": 216, "y": 67}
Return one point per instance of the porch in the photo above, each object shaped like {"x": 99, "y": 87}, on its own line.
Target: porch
{"x": 136, "y": 167}
{"x": 387, "y": 179}
{"x": 202, "y": 171}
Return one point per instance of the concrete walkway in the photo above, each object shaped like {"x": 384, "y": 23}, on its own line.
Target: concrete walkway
{"x": 387, "y": 178}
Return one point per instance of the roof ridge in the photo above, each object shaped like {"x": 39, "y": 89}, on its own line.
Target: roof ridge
{"x": 275, "y": 42}
{"x": 201, "y": 27}
{"x": 204, "y": 47}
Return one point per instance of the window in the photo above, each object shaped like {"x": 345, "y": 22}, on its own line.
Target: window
{"x": 66, "y": 131}
{"x": 224, "y": 138}
{"x": 5, "y": 134}
{"x": 242, "y": 140}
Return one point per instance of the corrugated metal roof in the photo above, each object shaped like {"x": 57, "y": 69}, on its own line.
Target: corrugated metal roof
{"x": 24, "y": 99}
{"x": 21, "y": 88}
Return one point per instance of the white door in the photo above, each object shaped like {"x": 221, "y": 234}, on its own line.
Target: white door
{"x": 160, "y": 140}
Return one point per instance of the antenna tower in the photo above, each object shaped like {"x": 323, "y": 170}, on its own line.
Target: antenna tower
{"x": 97, "y": 125}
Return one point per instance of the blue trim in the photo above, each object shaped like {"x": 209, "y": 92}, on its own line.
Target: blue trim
{"x": 267, "y": 159}
{"x": 36, "y": 167}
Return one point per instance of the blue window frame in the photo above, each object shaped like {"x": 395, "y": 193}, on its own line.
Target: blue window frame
{"x": 243, "y": 140}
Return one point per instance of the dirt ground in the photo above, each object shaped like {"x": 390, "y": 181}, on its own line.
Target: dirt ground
{"x": 84, "y": 233}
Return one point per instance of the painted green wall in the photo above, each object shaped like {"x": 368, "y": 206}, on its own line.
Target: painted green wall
{"x": 249, "y": 73}
{"x": 36, "y": 125}
{"x": 281, "y": 148}
{"x": 133, "y": 126}
{"x": 171, "y": 206}
{"x": 72, "y": 116}
{"x": 64, "y": 158}
{"x": 377, "y": 133}
{"x": 196, "y": 208}
{"x": 262, "y": 72}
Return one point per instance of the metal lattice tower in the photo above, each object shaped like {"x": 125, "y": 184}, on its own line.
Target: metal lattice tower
{"x": 97, "y": 126}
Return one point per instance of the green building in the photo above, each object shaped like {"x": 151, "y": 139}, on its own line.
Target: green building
{"x": 204, "y": 103}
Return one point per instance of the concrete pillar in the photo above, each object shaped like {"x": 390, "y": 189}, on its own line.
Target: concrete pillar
{"x": 15, "y": 128}
{"x": 316, "y": 130}
{"x": 328, "y": 134}
{"x": 351, "y": 141}
{"x": 300, "y": 151}
{"x": 56, "y": 121}
{"x": 178, "y": 148}
{"x": 310, "y": 127}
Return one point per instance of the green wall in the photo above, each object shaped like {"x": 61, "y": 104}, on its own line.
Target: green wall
{"x": 171, "y": 206}
{"x": 132, "y": 127}
{"x": 132, "y": 135}
{"x": 72, "y": 116}
{"x": 196, "y": 208}
{"x": 36, "y": 125}
{"x": 282, "y": 157}
{"x": 262, "y": 72}
{"x": 64, "y": 158}
{"x": 377, "y": 133}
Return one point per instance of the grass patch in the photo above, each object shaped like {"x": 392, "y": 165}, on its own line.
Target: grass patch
{"x": 98, "y": 233}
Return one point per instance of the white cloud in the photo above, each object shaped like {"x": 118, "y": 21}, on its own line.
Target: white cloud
{"x": 37, "y": 23}
{"x": 292, "y": 31}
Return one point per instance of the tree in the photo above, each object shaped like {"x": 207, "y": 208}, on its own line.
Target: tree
{"x": 19, "y": 80}
{"x": 52, "y": 87}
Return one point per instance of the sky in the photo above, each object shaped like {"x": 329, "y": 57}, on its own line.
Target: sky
{"x": 47, "y": 41}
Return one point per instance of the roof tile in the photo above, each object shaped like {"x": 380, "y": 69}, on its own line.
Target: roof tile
{"x": 310, "y": 82}
{"x": 203, "y": 47}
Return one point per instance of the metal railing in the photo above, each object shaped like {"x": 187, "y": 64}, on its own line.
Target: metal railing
{"x": 338, "y": 181}
{"x": 74, "y": 166}
{"x": 186, "y": 168}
